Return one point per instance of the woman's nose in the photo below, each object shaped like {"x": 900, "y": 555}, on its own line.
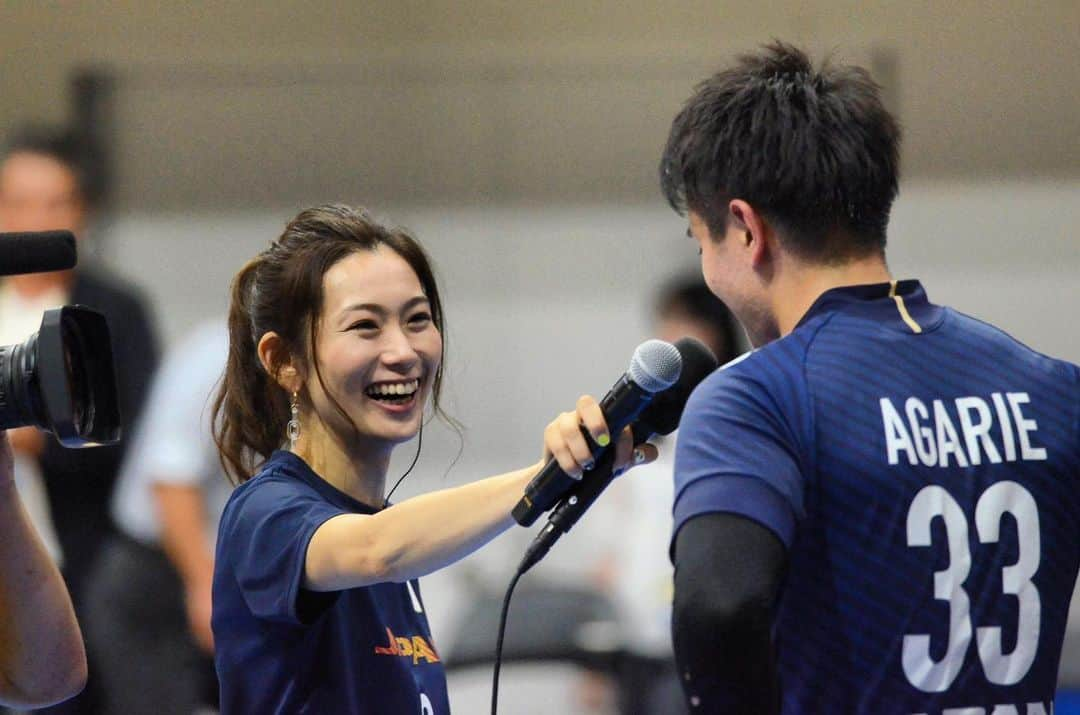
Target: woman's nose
{"x": 398, "y": 349}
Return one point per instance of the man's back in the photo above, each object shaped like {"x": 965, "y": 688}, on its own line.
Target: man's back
{"x": 930, "y": 465}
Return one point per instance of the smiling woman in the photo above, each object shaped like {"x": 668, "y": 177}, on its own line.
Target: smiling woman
{"x": 336, "y": 346}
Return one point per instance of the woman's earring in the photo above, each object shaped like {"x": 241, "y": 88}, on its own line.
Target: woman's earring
{"x": 293, "y": 428}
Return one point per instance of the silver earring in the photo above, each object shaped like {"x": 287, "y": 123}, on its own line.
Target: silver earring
{"x": 293, "y": 428}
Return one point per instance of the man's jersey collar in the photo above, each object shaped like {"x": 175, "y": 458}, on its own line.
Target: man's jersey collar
{"x": 901, "y": 302}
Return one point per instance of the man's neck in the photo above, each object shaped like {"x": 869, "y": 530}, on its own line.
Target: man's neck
{"x": 801, "y": 284}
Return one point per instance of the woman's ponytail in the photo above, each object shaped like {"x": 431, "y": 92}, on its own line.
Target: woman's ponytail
{"x": 250, "y": 409}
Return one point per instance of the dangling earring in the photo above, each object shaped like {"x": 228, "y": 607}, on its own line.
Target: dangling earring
{"x": 293, "y": 428}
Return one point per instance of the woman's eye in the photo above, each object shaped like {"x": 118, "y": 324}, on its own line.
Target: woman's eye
{"x": 420, "y": 319}
{"x": 364, "y": 325}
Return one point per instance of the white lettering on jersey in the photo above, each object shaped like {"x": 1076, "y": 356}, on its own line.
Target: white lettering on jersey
{"x": 896, "y": 435}
{"x": 932, "y": 438}
{"x": 947, "y": 441}
{"x": 977, "y": 433}
{"x": 925, "y": 444}
{"x": 1024, "y": 427}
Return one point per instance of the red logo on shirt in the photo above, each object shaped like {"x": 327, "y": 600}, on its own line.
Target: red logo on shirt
{"x": 416, "y": 648}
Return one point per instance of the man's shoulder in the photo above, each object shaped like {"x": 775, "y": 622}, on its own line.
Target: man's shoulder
{"x": 977, "y": 329}
{"x": 768, "y": 379}
{"x": 775, "y": 365}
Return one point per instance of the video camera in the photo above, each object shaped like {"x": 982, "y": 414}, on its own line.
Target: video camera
{"x": 62, "y": 378}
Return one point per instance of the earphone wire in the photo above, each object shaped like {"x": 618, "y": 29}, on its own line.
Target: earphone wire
{"x": 416, "y": 457}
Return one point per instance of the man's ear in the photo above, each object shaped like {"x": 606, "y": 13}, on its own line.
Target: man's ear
{"x": 754, "y": 231}
{"x": 281, "y": 368}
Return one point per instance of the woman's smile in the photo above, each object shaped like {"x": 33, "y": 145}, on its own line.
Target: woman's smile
{"x": 396, "y": 396}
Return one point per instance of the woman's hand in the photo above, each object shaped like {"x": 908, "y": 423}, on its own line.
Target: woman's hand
{"x": 564, "y": 441}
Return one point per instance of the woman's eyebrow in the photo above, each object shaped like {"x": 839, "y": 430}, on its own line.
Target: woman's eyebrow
{"x": 372, "y": 307}
{"x": 380, "y": 310}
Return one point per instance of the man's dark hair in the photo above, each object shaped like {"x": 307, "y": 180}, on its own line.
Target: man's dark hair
{"x": 814, "y": 151}
{"x": 59, "y": 144}
{"x": 689, "y": 297}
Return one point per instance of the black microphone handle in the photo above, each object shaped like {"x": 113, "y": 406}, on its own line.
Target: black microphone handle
{"x": 621, "y": 406}
{"x": 566, "y": 514}
{"x": 577, "y": 501}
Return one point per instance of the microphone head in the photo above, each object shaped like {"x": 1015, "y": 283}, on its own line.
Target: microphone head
{"x": 655, "y": 366}
{"x": 664, "y": 412}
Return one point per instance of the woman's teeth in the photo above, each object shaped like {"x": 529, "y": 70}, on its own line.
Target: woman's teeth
{"x": 399, "y": 391}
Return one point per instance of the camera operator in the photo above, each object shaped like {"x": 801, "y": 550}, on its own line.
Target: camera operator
{"x": 43, "y": 187}
{"x": 41, "y": 650}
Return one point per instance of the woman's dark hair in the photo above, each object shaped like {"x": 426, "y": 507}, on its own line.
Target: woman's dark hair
{"x": 814, "y": 151}
{"x": 281, "y": 290}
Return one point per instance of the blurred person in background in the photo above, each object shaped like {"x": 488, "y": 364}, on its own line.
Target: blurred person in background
{"x": 875, "y": 510}
{"x": 43, "y": 186}
{"x": 335, "y": 345}
{"x": 149, "y": 596}
{"x": 42, "y": 660}
{"x": 631, "y": 524}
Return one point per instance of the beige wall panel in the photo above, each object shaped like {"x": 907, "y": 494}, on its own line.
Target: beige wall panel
{"x": 510, "y": 91}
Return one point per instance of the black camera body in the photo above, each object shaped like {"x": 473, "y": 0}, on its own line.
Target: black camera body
{"x": 63, "y": 377}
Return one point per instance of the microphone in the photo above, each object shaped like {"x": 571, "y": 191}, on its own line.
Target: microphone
{"x": 36, "y": 252}
{"x": 654, "y": 367}
{"x": 665, "y": 412}
{"x": 660, "y": 417}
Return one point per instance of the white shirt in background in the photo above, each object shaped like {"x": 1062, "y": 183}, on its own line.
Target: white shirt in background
{"x": 173, "y": 443}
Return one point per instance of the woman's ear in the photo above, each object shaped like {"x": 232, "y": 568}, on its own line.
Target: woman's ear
{"x": 280, "y": 367}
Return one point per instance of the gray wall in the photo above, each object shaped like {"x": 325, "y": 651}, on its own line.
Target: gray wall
{"x": 547, "y": 302}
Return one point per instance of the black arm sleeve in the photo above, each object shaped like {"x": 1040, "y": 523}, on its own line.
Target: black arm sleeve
{"x": 728, "y": 573}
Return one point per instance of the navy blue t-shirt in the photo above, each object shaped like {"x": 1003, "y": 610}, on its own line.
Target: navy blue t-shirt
{"x": 923, "y": 470}
{"x": 280, "y": 648}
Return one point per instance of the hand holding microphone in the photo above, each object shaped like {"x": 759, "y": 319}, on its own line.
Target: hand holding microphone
{"x": 661, "y": 416}
{"x": 654, "y": 367}
{"x": 574, "y": 455}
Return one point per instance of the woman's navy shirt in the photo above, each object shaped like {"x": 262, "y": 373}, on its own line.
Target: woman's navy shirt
{"x": 280, "y": 648}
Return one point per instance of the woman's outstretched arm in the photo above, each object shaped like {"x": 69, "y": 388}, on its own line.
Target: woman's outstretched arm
{"x": 425, "y": 533}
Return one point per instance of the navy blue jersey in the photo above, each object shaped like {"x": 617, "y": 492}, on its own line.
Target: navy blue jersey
{"x": 280, "y": 648}
{"x": 923, "y": 469}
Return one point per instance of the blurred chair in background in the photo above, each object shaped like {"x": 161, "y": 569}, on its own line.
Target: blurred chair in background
{"x": 43, "y": 186}
{"x": 149, "y": 596}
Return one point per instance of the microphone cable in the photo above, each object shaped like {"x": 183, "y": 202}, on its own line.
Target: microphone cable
{"x": 537, "y": 550}
{"x": 502, "y": 632}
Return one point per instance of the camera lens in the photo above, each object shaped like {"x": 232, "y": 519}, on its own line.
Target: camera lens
{"x": 20, "y": 401}
{"x": 62, "y": 379}
{"x": 75, "y": 357}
